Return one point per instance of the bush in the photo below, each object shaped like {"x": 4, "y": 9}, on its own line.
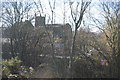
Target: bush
{"x": 11, "y": 66}
{"x": 82, "y": 69}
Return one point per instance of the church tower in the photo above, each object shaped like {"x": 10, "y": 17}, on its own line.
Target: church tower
{"x": 39, "y": 21}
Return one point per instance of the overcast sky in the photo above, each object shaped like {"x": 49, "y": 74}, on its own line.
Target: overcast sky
{"x": 59, "y": 10}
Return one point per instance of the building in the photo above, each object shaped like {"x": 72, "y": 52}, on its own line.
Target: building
{"x": 61, "y": 34}
{"x": 39, "y": 21}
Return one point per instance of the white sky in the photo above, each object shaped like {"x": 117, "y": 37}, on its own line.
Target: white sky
{"x": 59, "y": 10}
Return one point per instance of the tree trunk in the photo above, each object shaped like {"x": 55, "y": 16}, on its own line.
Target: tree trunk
{"x": 11, "y": 47}
{"x": 72, "y": 54}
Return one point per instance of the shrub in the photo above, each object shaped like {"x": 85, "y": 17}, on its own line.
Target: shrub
{"x": 82, "y": 69}
{"x": 11, "y": 66}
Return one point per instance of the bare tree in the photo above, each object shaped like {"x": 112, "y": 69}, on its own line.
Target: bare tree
{"x": 110, "y": 12}
{"x": 50, "y": 36}
{"x": 13, "y": 13}
{"x": 77, "y": 17}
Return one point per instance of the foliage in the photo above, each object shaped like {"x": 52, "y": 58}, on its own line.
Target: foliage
{"x": 11, "y": 66}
